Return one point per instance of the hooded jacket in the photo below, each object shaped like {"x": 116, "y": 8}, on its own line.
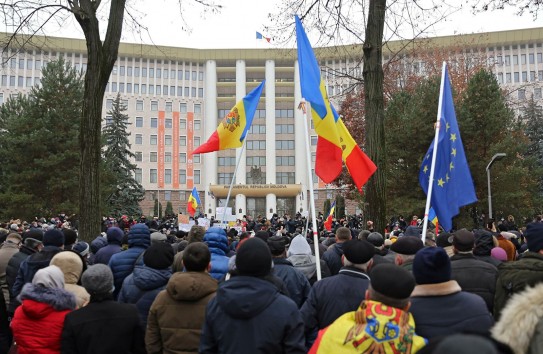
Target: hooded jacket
{"x": 95, "y": 246}
{"x": 521, "y": 323}
{"x": 297, "y": 284}
{"x": 188, "y": 294}
{"x": 268, "y": 323}
{"x": 72, "y": 266}
{"x": 141, "y": 288}
{"x": 123, "y": 263}
{"x": 114, "y": 241}
{"x": 38, "y": 322}
{"x": 372, "y": 325}
{"x": 216, "y": 240}
{"x": 484, "y": 243}
{"x": 302, "y": 258}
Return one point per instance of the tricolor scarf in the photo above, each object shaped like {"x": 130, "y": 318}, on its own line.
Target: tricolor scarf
{"x": 374, "y": 328}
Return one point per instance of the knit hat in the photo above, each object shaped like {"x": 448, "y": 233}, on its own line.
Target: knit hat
{"x": 98, "y": 280}
{"x": 432, "y": 266}
{"x": 263, "y": 235}
{"x": 534, "y": 236}
{"x": 444, "y": 240}
{"x": 376, "y": 239}
{"x": 407, "y": 245}
{"x": 358, "y": 251}
{"x": 463, "y": 240}
{"x": 70, "y": 236}
{"x": 53, "y": 237}
{"x": 254, "y": 258}
{"x": 82, "y": 248}
{"x": 484, "y": 242}
{"x": 159, "y": 256}
{"x": 50, "y": 277}
{"x": 499, "y": 254}
{"x": 276, "y": 245}
{"x": 36, "y": 234}
{"x": 413, "y": 231}
{"x": 114, "y": 235}
{"x": 158, "y": 237}
{"x": 391, "y": 280}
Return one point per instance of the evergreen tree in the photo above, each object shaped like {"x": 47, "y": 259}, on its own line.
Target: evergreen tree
{"x": 340, "y": 207}
{"x": 39, "y": 139}
{"x": 326, "y": 207}
{"x": 127, "y": 192}
{"x": 532, "y": 118}
{"x": 169, "y": 209}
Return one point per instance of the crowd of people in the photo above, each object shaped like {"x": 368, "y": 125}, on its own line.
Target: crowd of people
{"x": 144, "y": 287}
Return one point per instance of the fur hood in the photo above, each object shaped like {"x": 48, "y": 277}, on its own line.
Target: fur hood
{"x": 519, "y": 319}
{"x": 55, "y": 298}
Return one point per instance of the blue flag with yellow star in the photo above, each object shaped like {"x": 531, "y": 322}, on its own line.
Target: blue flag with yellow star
{"x": 452, "y": 183}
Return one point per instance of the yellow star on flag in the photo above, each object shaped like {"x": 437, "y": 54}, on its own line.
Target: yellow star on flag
{"x": 440, "y": 182}
{"x": 451, "y": 166}
{"x": 447, "y": 127}
{"x": 453, "y": 137}
{"x": 447, "y": 178}
{"x": 453, "y": 152}
{"x": 425, "y": 169}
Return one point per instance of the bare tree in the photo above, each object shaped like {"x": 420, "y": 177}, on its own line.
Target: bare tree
{"x": 29, "y": 17}
{"x": 521, "y": 6}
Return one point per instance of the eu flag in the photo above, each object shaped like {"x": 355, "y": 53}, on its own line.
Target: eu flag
{"x": 452, "y": 183}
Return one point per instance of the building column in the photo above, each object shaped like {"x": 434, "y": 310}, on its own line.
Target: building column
{"x": 210, "y": 125}
{"x": 270, "y": 123}
{"x": 241, "y": 176}
{"x": 302, "y": 200}
{"x": 271, "y": 204}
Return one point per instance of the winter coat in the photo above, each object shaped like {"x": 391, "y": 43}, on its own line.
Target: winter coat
{"x": 475, "y": 276}
{"x": 380, "y": 328}
{"x": 72, "y": 266}
{"x": 123, "y": 263}
{"x": 332, "y": 297}
{"x": 248, "y": 315}
{"x": 521, "y": 322}
{"x": 332, "y": 257}
{"x": 8, "y": 250}
{"x": 188, "y": 294}
{"x": 302, "y": 258}
{"x": 103, "y": 327}
{"x": 38, "y": 322}
{"x": 216, "y": 240}
{"x": 31, "y": 265}
{"x": 509, "y": 248}
{"x": 114, "y": 241}
{"x": 297, "y": 284}
{"x": 444, "y": 309}
{"x": 95, "y": 246}
{"x": 11, "y": 273}
{"x": 141, "y": 288}
{"x": 514, "y": 277}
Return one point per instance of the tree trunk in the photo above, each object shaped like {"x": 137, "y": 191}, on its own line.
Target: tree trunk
{"x": 375, "y": 113}
{"x": 101, "y": 58}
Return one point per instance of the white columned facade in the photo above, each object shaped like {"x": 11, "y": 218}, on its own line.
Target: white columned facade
{"x": 241, "y": 176}
{"x": 271, "y": 200}
{"x": 302, "y": 200}
{"x": 210, "y": 125}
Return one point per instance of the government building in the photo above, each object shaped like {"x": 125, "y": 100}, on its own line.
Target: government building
{"x": 175, "y": 98}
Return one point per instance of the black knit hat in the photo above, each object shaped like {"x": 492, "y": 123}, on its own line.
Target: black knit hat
{"x": 358, "y": 251}
{"x": 391, "y": 280}
{"x": 407, "y": 245}
{"x": 432, "y": 266}
{"x": 253, "y": 258}
{"x": 263, "y": 235}
{"x": 53, "y": 237}
{"x": 158, "y": 256}
{"x": 534, "y": 236}
{"x": 276, "y": 245}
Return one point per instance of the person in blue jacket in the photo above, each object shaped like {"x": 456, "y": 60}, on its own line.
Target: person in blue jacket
{"x": 215, "y": 239}
{"x": 248, "y": 314}
{"x": 123, "y": 263}
{"x": 114, "y": 241}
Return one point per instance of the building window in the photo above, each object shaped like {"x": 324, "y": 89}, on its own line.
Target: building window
{"x": 193, "y": 92}
{"x": 531, "y": 58}
{"x": 197, "y": 108}
{"x": 284, "y": 160}
{"x": 284, "y": 144}
{"x": 168, "y": 106}
{"x": 224, "y": 178}
{"x": 182, "y": 157}
{"x": 516, "y": 75}
{"x": 256, "y": 145}
{"x": 182, "y": 141}
{"x": 153, "y": 140}
{"x": 143, "y": 89}
{"x": 139, "y": 105}
{"x": 109, "y": 103}
{"x": 253, "y": 161}
{"x": 168, "y": 122}
{"x": 284, "y": 177}
{"x": 139, "y": 139}
{"x": 168, "y": 194}
{"x": 521, "y": 94}
{"x": 537, "y": 92}
{"x": 196, "y": 141}
{"x": 153, "y": 175}
{"x": 183, "y": 107}
{"x": 153, "y": 156}
{"x": 167, "y": 175}
{"x": 200, "y": 92}
{"x": 139, "y": 156}
{"x": 154, "y": 106}
{"x": 182, "y": 176}
{"x": 138, "y": 175}
{"x": 182, "y": 124}
{"x": 154, "y": 122}
{"x": 167, "y": 140}
{"x": 200, "y": 76}
{"x": 168, "y": 157}
{"x": 139, "y": 122}
{"x": 196, "y": 176}
{"x": 196, "y": 158}
{"x": 314, "y": 140}
{"x": 227, "y": 161}
{"x": 197, "y": 124}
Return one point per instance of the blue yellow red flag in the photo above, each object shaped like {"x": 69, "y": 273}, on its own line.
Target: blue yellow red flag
{"x": 193, "y": 202}
{"x": 328, "y": 162}
{"x": 234, "y": 127}
{"x": 432, "y": 217}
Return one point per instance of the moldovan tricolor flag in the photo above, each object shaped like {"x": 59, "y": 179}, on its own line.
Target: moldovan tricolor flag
{"x": 234, "y": 127}
{"x": 328, "y": 221}
{"x": 260, "y": 36}
{"x": 328, "y": 162}
{"x": 194, "y": 201}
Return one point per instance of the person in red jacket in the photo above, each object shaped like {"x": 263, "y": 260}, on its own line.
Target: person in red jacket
{"x": 38, "y": 322}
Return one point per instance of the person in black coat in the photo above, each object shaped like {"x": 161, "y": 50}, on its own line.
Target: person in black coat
{"x": 248, "y": 314}
{"x": 103, "y": 326}
{"x": 332, "y": 256}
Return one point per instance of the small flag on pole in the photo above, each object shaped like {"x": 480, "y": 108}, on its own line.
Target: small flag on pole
{"x": 432, "y": 217}
{"x": 194, "y": 201}
{"x": 260, "y": 36}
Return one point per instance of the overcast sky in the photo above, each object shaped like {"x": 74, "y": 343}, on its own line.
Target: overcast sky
{"x": 236, "y": 25}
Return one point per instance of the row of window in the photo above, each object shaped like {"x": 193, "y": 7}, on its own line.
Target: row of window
{"x": 280, "y": 178}
{"x": 153, "y": 140}
{"x": 168, "y": 106}
{"x": 261, "y": 113}
{"x": 179, "y": 91}
{"x": 153, "y": 176}
{"x": 30, "y": 64}
{"x": 157, "y": 73}
{"x": 153, "y": 157}
{"x": 520, "y": 77}
{"x": 19, "y": 81}
{"x": 530, "y": 58}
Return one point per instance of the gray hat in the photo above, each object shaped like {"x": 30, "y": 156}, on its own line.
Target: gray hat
{"x": 98, "y": 280}
{"x": 158, "y": 237}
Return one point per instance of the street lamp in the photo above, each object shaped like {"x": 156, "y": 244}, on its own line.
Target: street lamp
{"x": 496, "y": 157}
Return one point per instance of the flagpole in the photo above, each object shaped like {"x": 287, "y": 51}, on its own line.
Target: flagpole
{"x": 303, "y": 104}
{"x": 233, "y": 179}
{"x": 434, "y": 155}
